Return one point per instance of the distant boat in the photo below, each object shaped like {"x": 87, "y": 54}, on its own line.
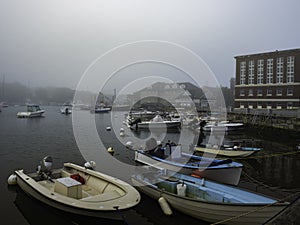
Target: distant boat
{"x": 228, "y": 151}
{"x": 78, "y": 190}
{"x": 101, "y": 109}
{"x": 156, "y": 123}
{"x": 66, "y": 109}
{"x": 3, "y": 104}
{"x": 223, "y": 126}
{"x": 33, "y": 110}
{"x": 207, "y": 200}
{"x": 224, "y": 171}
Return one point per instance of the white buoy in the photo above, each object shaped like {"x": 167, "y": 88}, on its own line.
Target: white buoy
{"x": 122, "y": 133}
{"x": 129, "y": 144}
{"x": 165, "y": 206}
{"x": 108, "y": 128}
{"x": 181, "y": 189}
{"x": 122, "y": 129}
{"x": 90, "y": 165}
{"x": 12, "y": 179}
{"x": 111, "y": 150}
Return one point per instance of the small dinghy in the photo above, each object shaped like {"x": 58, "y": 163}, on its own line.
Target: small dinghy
{"x": 207, "y": 200}
{"x": 79, "y": 190}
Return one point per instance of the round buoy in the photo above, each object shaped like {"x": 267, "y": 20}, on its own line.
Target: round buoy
{"x": 111, "y": 150}
{"x": 108, "y": 128}
{"x": 129, "y": 144}
{"x": 90, "y": 165}
{"x": 12, "y": 179}
{"x": 165, "y": 206}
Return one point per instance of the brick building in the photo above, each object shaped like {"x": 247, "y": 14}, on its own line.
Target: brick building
{"x": 268, "y": 80}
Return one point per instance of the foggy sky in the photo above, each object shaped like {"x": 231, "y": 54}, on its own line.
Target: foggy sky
{"x": 52, "y": 42}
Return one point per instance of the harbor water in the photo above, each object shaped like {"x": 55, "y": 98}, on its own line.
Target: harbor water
{"x": 275, "y": 171}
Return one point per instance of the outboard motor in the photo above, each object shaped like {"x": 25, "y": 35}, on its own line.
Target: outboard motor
{"x": 44, "y": 169}
{"x": 90, "y": 165}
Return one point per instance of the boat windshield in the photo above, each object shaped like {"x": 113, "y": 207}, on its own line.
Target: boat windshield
{"x": 33, "y": 108}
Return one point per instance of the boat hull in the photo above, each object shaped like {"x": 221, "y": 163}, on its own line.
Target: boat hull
{"x": 214, "y": 212}
{"x": 30, "y": 114}
{"x": 227, "y": 152}
{"x": 159, "y": 125}
{"x": 226, "y": 175}
{"x": 223, "y": 127}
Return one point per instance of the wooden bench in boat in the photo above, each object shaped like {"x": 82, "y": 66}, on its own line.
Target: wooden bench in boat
{"x": 107, "y": 196}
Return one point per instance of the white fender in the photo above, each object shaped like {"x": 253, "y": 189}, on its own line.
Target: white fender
{"x": 165, "y": 206}
{"x": 12, "y": 179}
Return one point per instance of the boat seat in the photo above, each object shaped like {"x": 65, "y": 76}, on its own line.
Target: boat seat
{"x": 65, "y": 173}
{"x": 107, "y": 196}
{"x": 89, "y": 191}
{"x": 97, "y": 184}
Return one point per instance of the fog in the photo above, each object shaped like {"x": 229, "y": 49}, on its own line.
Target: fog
{"x": 53, "y": 42}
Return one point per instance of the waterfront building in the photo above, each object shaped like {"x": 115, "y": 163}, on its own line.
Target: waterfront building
{"x": 269, "y": 80}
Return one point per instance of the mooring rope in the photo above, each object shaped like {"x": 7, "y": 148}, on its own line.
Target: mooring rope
{"x": 258, "y": 209}
{"x": 257, "y": 182}
{"x": 268, "y": 156}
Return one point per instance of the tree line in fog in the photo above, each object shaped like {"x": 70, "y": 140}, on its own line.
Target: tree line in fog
{"x": 17, "y": 93}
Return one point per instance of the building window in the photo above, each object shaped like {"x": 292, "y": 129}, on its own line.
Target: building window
{"x": 259, "y": 92}
{"x": 279, "y": 71}
{"x": 290, "y": 91}
{"x": 269, "y": 105}
{"x": 278, "y": 105}
{"x": 290, "y": 69}
{"x": 289, "y": 105}
{"x": 269, "y": 71}
{"x": 269, "y": 92}
{"x": 251, "y": 72}
{"x": 243, "y": 73}
{"x": 259, "y": 105}
{"x": 242, "y": 105}
{"x": 260, "y": 71}
{"x": 279, "y": 92}
{"x": 242, "y": 92}
{"x": 250, "y": 93}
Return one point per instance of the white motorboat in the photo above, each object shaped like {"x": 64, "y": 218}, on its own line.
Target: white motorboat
{"x": 79, "y": 190}
{"x": 66, "y": 109}
{"x": 224, "y": 171}
{"x": 156, "y": 123}
{"x": 223, "y": 126}
{"x": 33, "y": 110}
{"x": 207, "y": 200}
{"x": 102, "y": 109}
{"x": 228, "y": 151}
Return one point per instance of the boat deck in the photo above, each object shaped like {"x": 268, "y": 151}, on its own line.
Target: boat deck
{"x": 207, "y": 191}
{"x": 93, "y": 190}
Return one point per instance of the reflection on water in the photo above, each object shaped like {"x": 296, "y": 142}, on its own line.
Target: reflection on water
{"x": 37, "y": 213}
{"x": 24, "y": 142}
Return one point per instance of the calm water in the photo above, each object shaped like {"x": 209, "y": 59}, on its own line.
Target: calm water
{"x": 24, "y": 142}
